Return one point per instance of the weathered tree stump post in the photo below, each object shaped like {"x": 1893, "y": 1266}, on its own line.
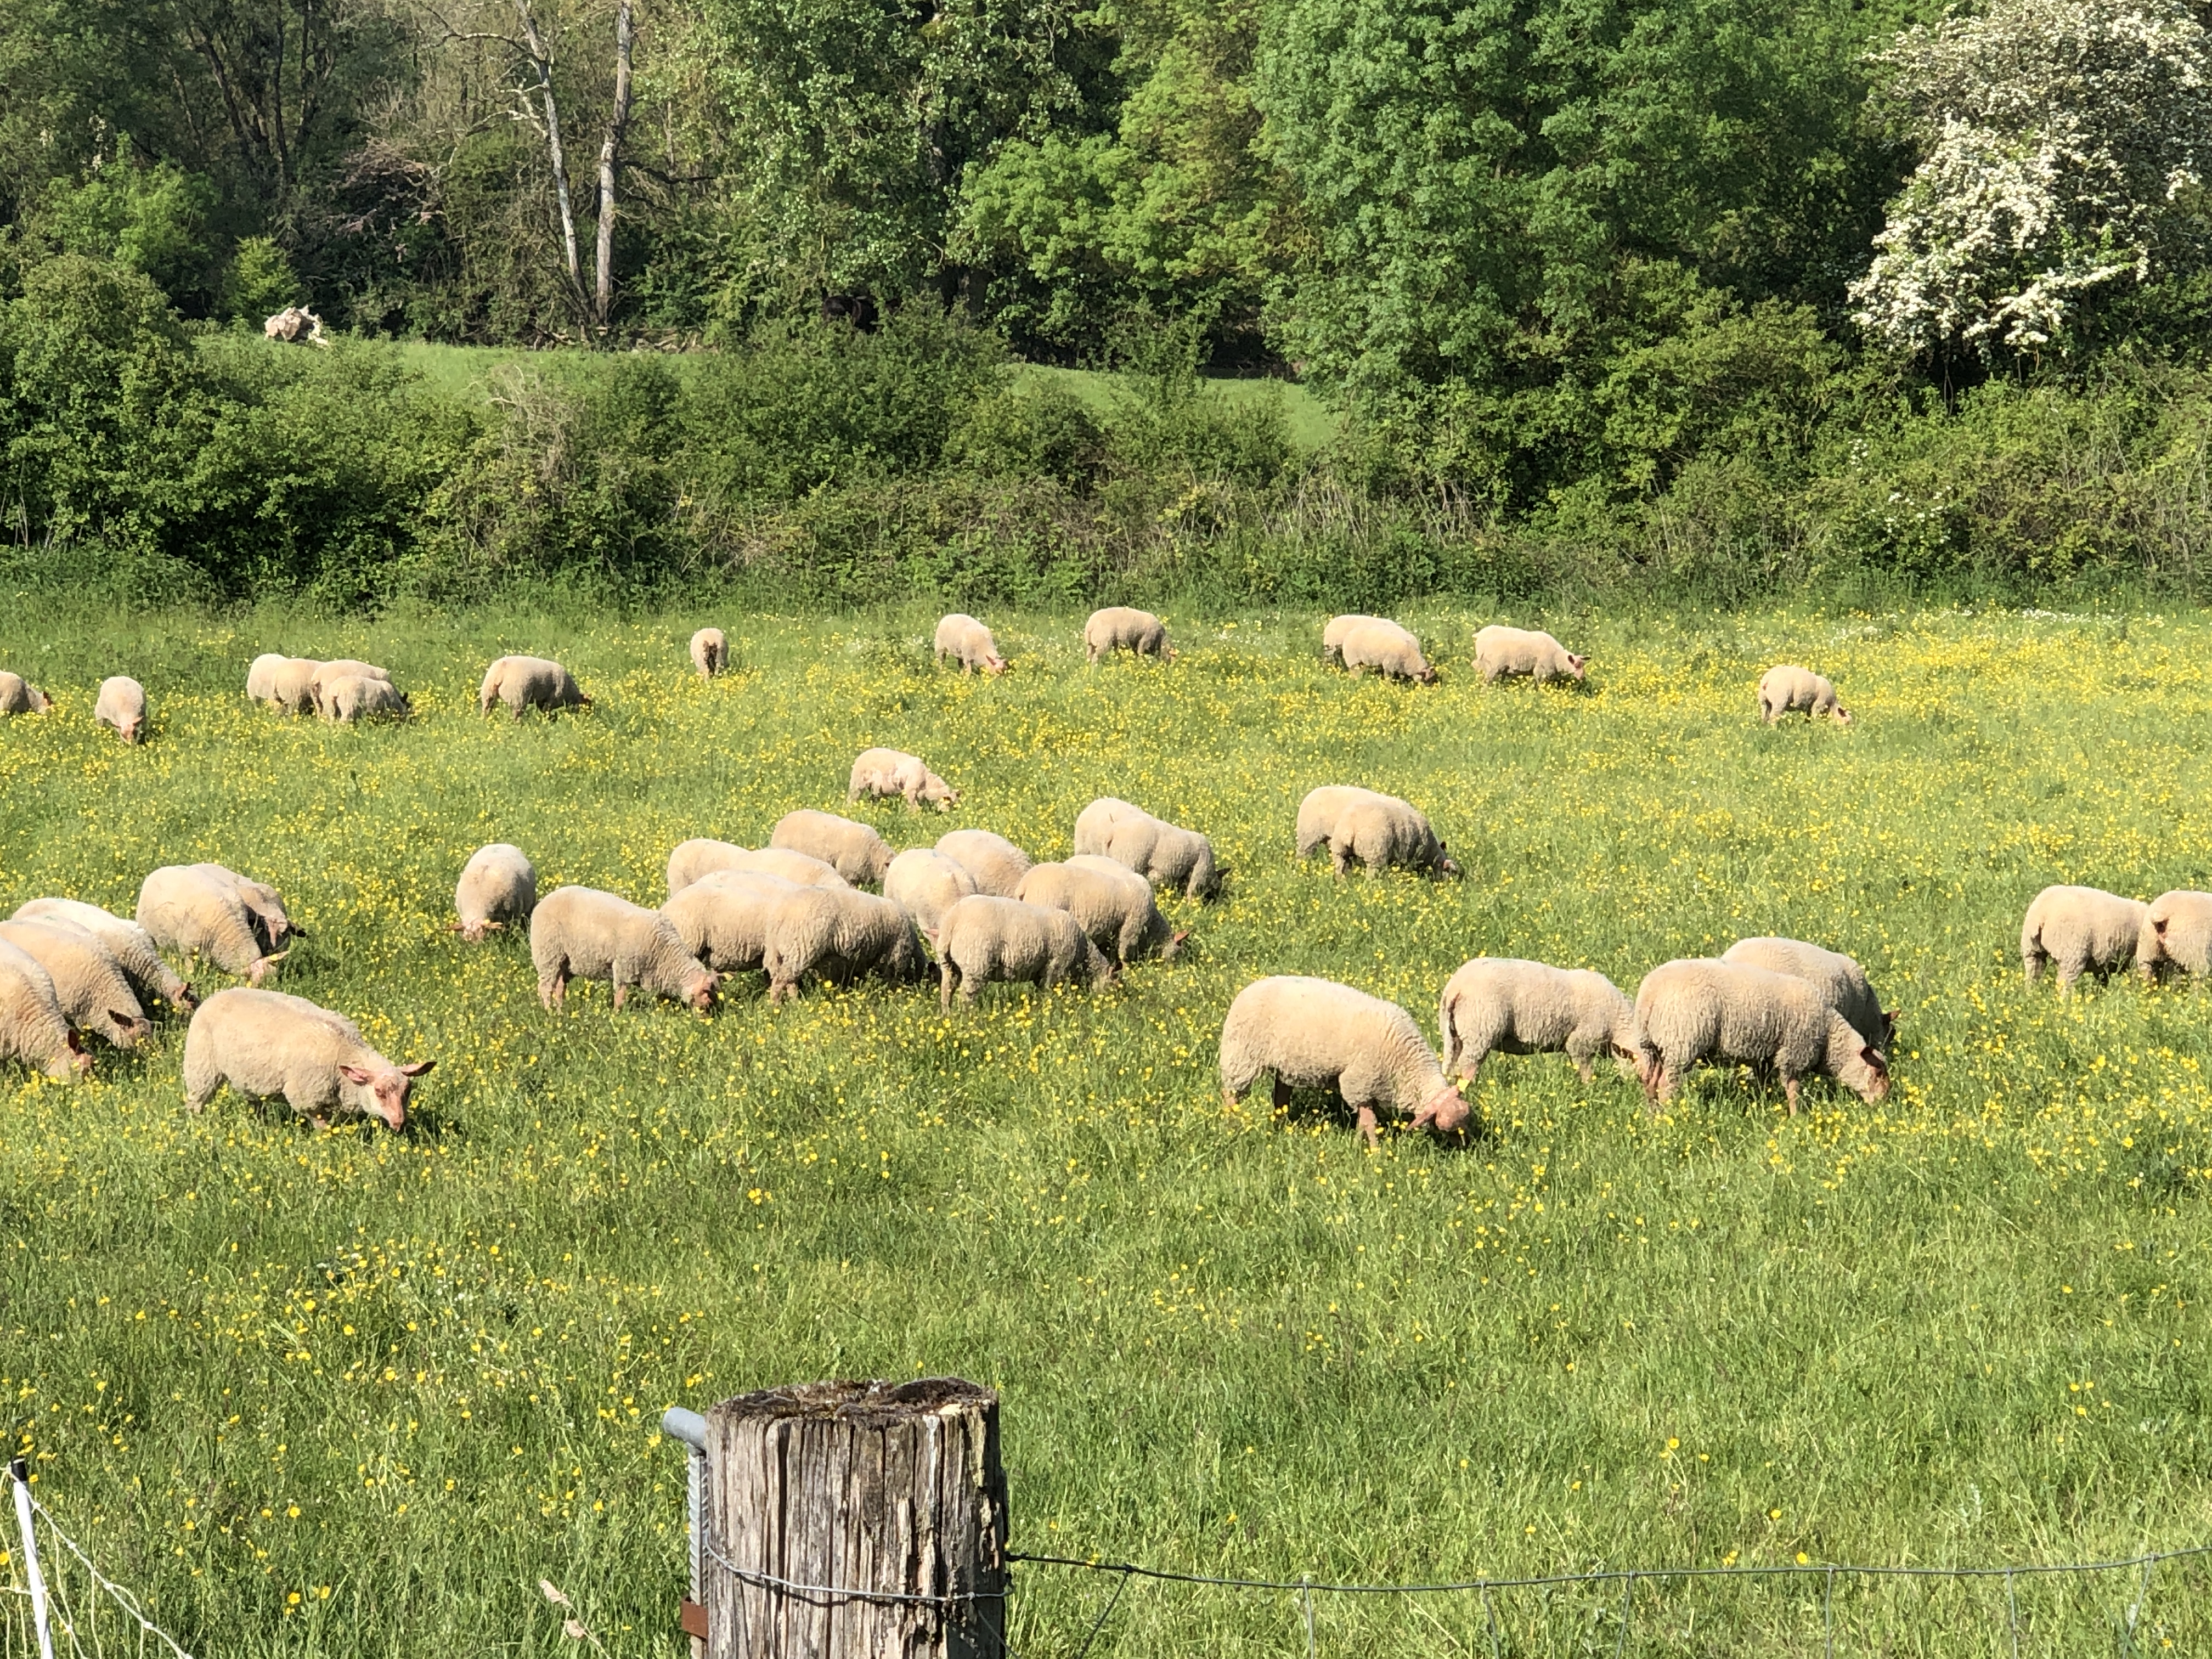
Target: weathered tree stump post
{"x": 855, "y": 1521}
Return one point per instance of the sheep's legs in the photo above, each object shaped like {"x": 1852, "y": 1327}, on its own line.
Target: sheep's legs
{"x": 1790, "y": 1092}
{"x": 1367, "y": 1127}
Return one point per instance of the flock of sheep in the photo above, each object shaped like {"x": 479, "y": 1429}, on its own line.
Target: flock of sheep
{"x": 796, "y": 909}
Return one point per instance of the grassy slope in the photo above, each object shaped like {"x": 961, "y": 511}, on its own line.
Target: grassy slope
{"x": 1226, "y": 1342}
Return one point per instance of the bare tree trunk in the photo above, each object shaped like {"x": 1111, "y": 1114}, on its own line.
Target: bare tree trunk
{"x": 542, "y": 62}
{"x": 618, "y": 124}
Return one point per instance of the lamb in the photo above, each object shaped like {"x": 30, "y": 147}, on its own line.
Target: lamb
{"x": 32, "y": 1028}
{"x": 710, "y": 651}
{"x": 1500, "y": 1004}
{"x": 1389, "y": 650}
{"x": 996, "y": 863}
{"x": 1118, "y": 628}
{"x": 1500, "y": 651}
{"x": 131, "y": 945}
{"x": 89, "y": 984}
{"x": 581, "y": 932}
{"x": 1839, "y": 976}
{"x": 1375, "y": 830}
{"x": 929, "y": 884}
{"x": 285, "y": 683}
{"x": 1339, "y": 629}
{"x": 1784, "y": 688}
{"x": 2177, "y": 932}
{"x": 1317, "y": 1034}
{"x": 985, "y": 938}
{"x": 122, "y": 704}
{"x": 694, "y": 860}
{"x": 356, "y": 697}
{"x": 261, "y": 676}
{"x": 498, "y": 886}
{"x": 1155, "y": 850}
{"x": 19, "y": 696}
{"x": 1115, "y": 911}
{"x": 722, "y": 918}
{"x": 1700, "y": 1008}
{"x": 2083, "y": 930}
{"x": 880, "y": 772}
{"x": 264, "y": 1044}
{"x": 839, "y": 935}
{"x": 328, "y": 674}
{"x": 962, "y": 637}
{"x": 201, "y": 910}
{"x": 854, "y": 850}
{"x": 523, "y": 683}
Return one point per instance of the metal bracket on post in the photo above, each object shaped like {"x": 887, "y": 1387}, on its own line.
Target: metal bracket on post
{"x": 690, "y": 1428}
{"x": 20, "y": 1475}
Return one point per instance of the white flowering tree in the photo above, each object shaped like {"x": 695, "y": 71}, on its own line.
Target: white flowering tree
{"x": 2066, "y": 144}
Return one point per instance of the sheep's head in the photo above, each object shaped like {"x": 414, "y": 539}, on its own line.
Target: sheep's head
{"x": 699, "y": 992}
{"x": 1444, "y": 1112}
{"x": 132, "y": 730}
{"x": 994, "y": 665}
{"x": 1426, "y": 675}
{"x": 1445, "y": 868}
{"x": 264, "y": 967}
{"x": 388, "y": 1089}
{"x": 128, "y": 1030}
{"x": 1577, "y": 665}
{"x": 1843, "y": 715}
{"x": 72, "y": 1062}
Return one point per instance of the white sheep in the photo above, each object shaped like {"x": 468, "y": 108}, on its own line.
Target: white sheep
{"x": 854, "y": 850}
{"x": 1500, "y": 651}
{"x": 985, "y": 938}
{"x": 928, "y": 884}
{"x": 1160, "y": 851}
{"x": 710, "y": 651}
{"x": 880, "y": 772}
{"x": 961, "y": 637}
{"x": 696, "y": 860}
{"x": 264, "y": 1044}
{"x": 122, "y": 705}
{"x": 32, "y": 1028}
{"x": 1118, "y": 628}
{"x": 353, "y": 698}
{"x": 580, "y": 932}
{"x": 2177, "y": 932}
{"x": 261, "y": 676}
{"x": 2083, "y": 930}
{"x": 839, "y": 935}
{"x": 1502, "y": 1005}
{"x": 1786, "y": 687}
{"x": 498, "y": 886}
{"x": 523, "y": 683}
{"x": 131, "y": 945}
{"x": 328, "y": 674}
{"x": 1339, "y": 629}
{"x": 285, "y": 683}
{"x": 1839, "y": 976}
{"x": 722, "y": 918}
{"x": 1700, "y": 1008}
{"x": 695, "y": 857}
{"x": 1376, "y": 831}
{"x": 1388, "y": 649}
{"x": 1115, "y": 911}
{"x": 90, "y": 985}
{"x": 1317, "y": 1034}
{"x": 996, "y": 863}
{"x": 202, "y": 910}
{"x": 19, "y": 696}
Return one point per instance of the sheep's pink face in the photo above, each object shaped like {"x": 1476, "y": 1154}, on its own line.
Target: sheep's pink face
{"x": 703, "y": 995}
{"x": 1843, "y": 715}
{"x": 130, "y": 729}
{"x": 1444, "y": 1112}
{"x": 1577, "y": 665}
{"x": 994, "y": 665}
{"x": 1877, "y": 1074}
{"x": 388, "y": 1089}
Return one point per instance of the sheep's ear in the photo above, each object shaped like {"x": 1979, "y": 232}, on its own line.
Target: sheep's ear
{"x": 355, "y": 1074}
{"x": 122, "y": 1018}
{"x": 1182, "y": 935}
{"x": 1873, "y": 1057}
{"x": 2158, "y": 924}
{"x": 418, "y": 1068}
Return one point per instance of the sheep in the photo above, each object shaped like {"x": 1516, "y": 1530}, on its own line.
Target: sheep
{"x": 1701, "y": 1008}
{"x": 1317, "y": 1034}
{"x": 928, "y": 884}
{"x": 285, "y": 683}
{"x": 1118, "y": 628}
{"x": 1500, "y": 1004}
{"x": 263, "y": 902}
{"x": 2083, "y": 930}
{"x": 1500, "y": 651}
{"x": 1787, "y": 687}
{"x": 580, "y": 932}
{"x": 498, "y": 886}
{"x": 261, "y": 676}
{"x": 722, "y": 918}
{"x": 523, "y": 683}
{"x": 32, "y": 1028}
{"x": 90, "y": 985}
{"x": 1339, "y": 629}
{"x": 356, "y": 697}
{"x": 880, "y": 772}
{"x": 328, "y": 674}
{"x": 19, "y": 696}
{"x": 1115, "y": 911}
{"x": 695, "y": 857}
{"x": 131, "y": 945}
{"x": 996, "y": 863}
{"x": 694, "y": 860}
{"x": 1841, "y": 977}
{"x": 1375, "y": 830}
{"x": 122, "y": 704}
{"x": 1156, "y": 850}
{"x": 985, "y": 938}
{"x": 853, "y": 850}
{"x": 200, "y": 910}
{"x": 962, "y": 637}
{"x": 264, "y": 1044}
{"x": 1389, "y": 650}
{"x": 839, "y": 935}
{"x": 2177, "y": 931}
{"x": 710, "y": 651}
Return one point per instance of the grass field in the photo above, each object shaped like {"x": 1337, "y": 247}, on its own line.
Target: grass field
{"x": 354, "y": 1393}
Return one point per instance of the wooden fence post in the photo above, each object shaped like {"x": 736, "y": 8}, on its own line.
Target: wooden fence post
{"x": 852, "y": 1520}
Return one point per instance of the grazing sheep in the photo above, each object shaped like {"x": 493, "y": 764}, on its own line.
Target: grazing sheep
{"x": 853, "y": 850}
{"x": 695, "y": 857}
{"x": 122, "y": 704}
{"x": 1785, "y": 688}
{"x": 1389, "y": 650}
{"x": 201, "y": 910}
{"x": 1155, "y": 850}
{"x": 261, "y": 676}
{"x": 90, "y": 985}
{"x": 580, "y": 932}
{"x": 262, "y": 903}
{"x": 131, "y": 945}
{"x": 285, "y": 683}
{"x": 2083, "y": 930}
{"x": 264, "y": 1044}
{"x": 523, "y": 683}
{"x": 356, "y": 697}
{"x": 800, "y": 869}
{"x": 1339, "y": 629}
{"x": 1094, "y": 824}
{"x": 1375, "y": 830}
{"x": 1500, "y": 1004}
{"x": 962, "y": 637}
{"x": 2177, "y": 932}
{"x": 1700, "y": 1008}
{"x": 1839, "y": 976}
{"x": 32, "y": 1028}
{"x": 996, "y": 863}
{"x": 880, "y": 772}
{"x": 19, "y": 696}
{"x": 498, "y": 886}
{"x": 839, "y": 935}
{"x": 710, "y": 651}
{"x": 722, "y": 918}
{"x": 328, "y": 674}
{"x": 1317, "y": 1034}
{"x": 1500, "y": 651}
{"x": 1115, "y": 911}
{"x": 1118, "y": 628}
{"x": 929, "y": 884}
{"x": 985, "y": 938}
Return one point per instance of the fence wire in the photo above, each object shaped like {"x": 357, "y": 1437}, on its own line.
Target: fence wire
{"x": 91, "y": 1616}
